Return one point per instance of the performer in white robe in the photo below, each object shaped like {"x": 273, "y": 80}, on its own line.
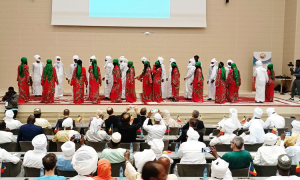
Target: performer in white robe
{"x": 169, "y": 86}
{"x": 274, "y": 120}
{"x": 189, "y": 79}
{"x": 109, "y": 79}
{"x": 88, "y": 74}
{"x": 262, "y": 78}
{"x": 36, "y": 73}
{"x": 212, "y": 75}
{"x": 228, "y": 68}
{"x": 61, "y": 74}
{"x": 163, "y": 78}
{"x": 123, "y": 68}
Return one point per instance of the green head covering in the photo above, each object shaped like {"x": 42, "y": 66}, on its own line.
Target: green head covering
{"x": 270, "y": 67}
{"x": 95, "y": 69}
{"x": 221, "y": 66}
{"x": 79, "y": 66}
{"x": 198, "y": 65}
{"x": 116, "y": 62}
{"x": 146, "y": 65}
{"x": 235, "y": 74}
{"x": 22, "y": 69}
{"x": 130, "y": 65}
{"x": 157, "y": 63}
{"x": 48, "y": 70}
{"x": 174, "y": 64}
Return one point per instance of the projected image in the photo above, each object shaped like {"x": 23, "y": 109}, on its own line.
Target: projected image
{"x": 130, "y": 8}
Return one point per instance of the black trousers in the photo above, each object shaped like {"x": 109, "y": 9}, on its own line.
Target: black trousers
{"x": 296, "y": 84}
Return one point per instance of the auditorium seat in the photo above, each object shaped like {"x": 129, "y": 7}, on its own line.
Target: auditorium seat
{"x": 15, "y": 131}
{"x": 216, "y": 132}
{"x": 173, "y": 145}
{"x": 280, "y": 130}
{"x": 173, "y": 131}
{"x": 265, "y": 171}
{"x": 66, "y": 173}
{"x": 12, "y": 170}
{"x": 136, "y": 146}
{"x": 252, "y": 147}
{"x": 239, "y": 172}
{"x": 223, "y": 147}
{"x": 115, "y": 169}
{"x": 192, "y": 170}
{"x": 27, "y": 145}
{"x": 293, "y": 171}
{"x": 31, "y": 172}
{"x": 98, "y": 146}
{"x": 10, "y": 147}
{"x": 48, "y": 131}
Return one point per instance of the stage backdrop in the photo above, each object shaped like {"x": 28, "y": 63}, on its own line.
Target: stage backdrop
{"x": 265, "y": 58}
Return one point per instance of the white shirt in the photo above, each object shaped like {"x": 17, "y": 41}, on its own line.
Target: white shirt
{"x": 225, "y": 139}
{"x": 7, "y": 157}
{"x": 7, "y": 137}
{"x": 33, "y": 158}
{"x": 78, "y": 177}
{"x": 274, "y": 120}
{"x": 97, "y": 137}
{"x": 43, "y": 123}
{"x": 154, "y": 131}
{"x": 293, "y": 177}
{"x": 268, "y": 155}
{"x": 294, "y": 153}
{"x": 248, "y": 124}
{"x": 13, "y": 124}
{"x": 190, "y": 152}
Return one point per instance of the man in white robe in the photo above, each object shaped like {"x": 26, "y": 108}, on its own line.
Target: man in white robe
{"x": 156, "y": 131}
{"x": 294, "y": 138}
{"x": 123, "y": 68}
{"x": 10, "y": 122}
{"x": 233, "y": 118}
{"x": 220, "y": 170}
{"x": 61, "y": 74}
{"x": 157, "y": 146}
{"x": 212, "y": 75}
{"x": 37, "y": 72}
{"x": 294, "y": 152}
{"x": 189, "y": 79}
{"x": 228, "y": 128}
{"x": 228, "y": 68}
{"x": 261, "y": 76}
{"x": 163, "y": 78}
{"x": 88, "y": 74}
{"x": 274, "y": 120}
{"x": 33, "y": 158}
{"x": 109, "y": 79}
{"x": 6, "y": 137}
{"x": 169, "y": 86}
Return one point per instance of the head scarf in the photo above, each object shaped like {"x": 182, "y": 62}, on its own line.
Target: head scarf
{"x": 104, "y": 170}
{"x": 270, "y": 139}
{"x": 161, "y": 60}
{"x": 233, "y": 116}
{"x": 92, "y": 57}
{"x": 144, "y": 59}
{"x": 68, "y": 123}
{"x": 198, "y": 65}
{"x": 85, "y": 160}
{"x": 116, "y": 62}
{"x": 235, "y": 74}
{"x": 229, "y": 61}
{"x": 219, "y": 167}
{"x": 192, "y": 61}
{"x": 96, "y": 125}
{"x": 221, "y": 66}
{"x": 79, "y": 66}
{"x": 95, "y": 68}
{"x": 157, "y": 146}
{"x": 259, "y": 63}
{"x": 157, "y": 117}
{"x": 257, "y": 113}
{"x": 39, "y": 142}
{"x": 22, "y": 69}
{"x": 270, "y": 67}
{"x": 9, "y": 115}
{"x": 75, "y": 57}
{"x": 174, "y": 64}
{"x": 57, "y": 57}
{"x": 214, "y": 62}
{"x": 157, "y": 63}
{"x": 166, "y": 116}
{"x": 68, "y": 150}
{"x": 229, "y": 127}
{"x": 108, "y": 60}
{"x": 122, "y": 58}
{"x": 146, "y": 65}
{"x": 130, "y": 64}
{"x": 192, "y": 134}
{"x": 296, "y": 126}
{"x": 48, "y": 71}
{"x": 36, "y": 57}
{"x": 270, "y": 111}
{"x": 142, "y": 157}
{"x": 172, "y": 60}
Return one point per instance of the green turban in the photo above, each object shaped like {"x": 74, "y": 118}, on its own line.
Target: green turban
{"x": 116, "y": 61}
{"x": 95, "y": 69}
{"x": 48, "y": 71}
{"x": 198, "y": 65}
{"x": 22, "y": 69}
{"x": 130, "y": 65}
{"x": 174, "y": 64}
{"x": 221, "y": 66}
{"x": 270, "y": 67}
{"x": 157, "y": 63}
{"x": 147, "y": 63}
{"x": 236, "y": 74}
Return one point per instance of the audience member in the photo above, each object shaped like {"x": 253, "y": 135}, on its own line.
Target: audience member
{"x": 157, "y": 146}
{"x": 66, "y": 114}
{"x": 200, "y": 124}
{"x": 193, "y": 123}
{"x": 11, "y": 124}
{"x": 274, "y": 120}
{"x": 290, "y": 140}
{"x": 64, "y": 161}
{"x": 95, "y": 133}
{"x": 5, "y": 137}
{"x": 268, "y": 154}
{"x": 28, "y": 131}
{"x": 257, "y": 116}
{"x": 33, "y": 158}
{"x": 238, "y": 158}
{"x": 143, "y": 117}
{"x": 233, "y": 118}
{"x": 168, "y": 120}
{"x": 67, "y": 133}
{"x": 228, "y": 135}
{"x": 49, "y": 164}
{"x": 8, "y": 157}
{"x": 165, "y": 162}
{"x": 104, "y": 170}
{"x": 220, "y": 170}
{"x": 11, "y": 100}
{"x": 41, "y": 121}
{"x": 111, "y": 120}
{"x": 115, "y": 154}
{"x": 85, "y": 163}
{"x": 157, "y": 130}
{"x": 153, "y": 170}
{"x": 294, "y": 152}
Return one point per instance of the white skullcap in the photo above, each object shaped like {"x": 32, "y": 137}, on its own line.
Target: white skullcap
{"x": 85, "y": 160}
{"x": 270, "y": 111}
{"x": 39, "y": 142}
{"x": 116, "y": 137}
{"x": 68, "y": 123}
{"x": 229, "y": 127}
{"x": 96, "y": 125}
{"x": 192, "y": 134}
{"x": 142, "y": 157}
{"x": 160, "y": 59}
{"x": 93, "y": 57}
{"x": 270, "y": 139}
{"x": 108, "y": 58}
{"x": 157, "y": 117}
{"x": 214, "y": 61}
{"x": 259, "y": 63}
{"x": 258, "y": 112}
{"x": 193, "y": 62}
{"x": 219, "y": 168}
{"x": 144, "y": 59}
{"x": 229, "y": 61}
{"x": 68, "y": 150}
{"x": 36, "y": 57}
{"x": 296, "y": 126}
{"x": 157, "y": 146}
{"x": 172, "y": 60}
{"x": 9, "y": 114}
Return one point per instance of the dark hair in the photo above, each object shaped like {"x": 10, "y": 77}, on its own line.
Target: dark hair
{"x": 113, "y": 144}
{"x": 2, "y": 125}
{"x": 150, "y": 170}
{"x": 66, "y": 112}
{"x": 110, "y": 111}
{"x": 31, "y": 119}
{"x": 196, "y": 114}
{"x": 37, "y": 115}
{"x": 126, "y": 117}
{"x": 143, "y": 111}
{"x": 193, "y": 122}
{"x": 49, "y": 161}
{"x": 11, "y": 89}
{"x": 79, "y": 62}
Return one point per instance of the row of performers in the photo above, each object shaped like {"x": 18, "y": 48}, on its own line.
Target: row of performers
{"x": 223, "y": 83}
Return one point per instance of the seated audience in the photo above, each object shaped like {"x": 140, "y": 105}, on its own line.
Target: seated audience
{"x": 11, "y": 124}
{"x": 157, "y": 146}
{"x": 153, "y": 170}
{"x": 33, "y": 158}
{"x": 65, "y": 159}
{"x": 66, "y": 114}
{"x": 143, "y": 117}
{"x": 85, "y": 163}
{"x": 111, "y": 120}
{"x": 257, "y": 116}
{"x": 165, "y": 162}
{"x": 12, "y": 98}
{"x": 291, "y": 140}
{"x": 49, "y": 164}
{"x": 190, "y": 151}
{"x": 220, "y": 170}
{"x": 104, "y": 170}
{"x": 192, "y": 123}
{"x": 238, "y": 158}
{"x": 233, "y": 118}
{"x": 168, "y": 120}
{"x": 65, "y": 135}
{"x": 228, "y": 135}
{"x": 28, "y": 131}
{"x": 5, "y": 137}
{"x": 156, "y": 131}
{"x": 115, "y": 154}
{"x": 274, "y": 120}
{"x": 41, "y": 121}
{"x": 200, "y": 124}
{"x": 294, "y": 153}
{"x": 8, "y": 157}
{"x": 268, "y": 154}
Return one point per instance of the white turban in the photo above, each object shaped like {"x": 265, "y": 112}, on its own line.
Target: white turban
{"x": 142, "y": 157}
{"x": 259, "y": 63}
{"x": 144, "y": 59}
{"x": 93, "y": 57}
{"x": 172, "y": 60}
{"x": 108, "y": 58}
{"x": 75, "y": 57}
{"x": 36, "y": 57}
{"x": 270, "y": 111}
{"x": 257, "y": 112}
{"x": 122, "y": 58}
{"x": 296, "y": 126}
{"x": 192, "y": 134}
{"x": 193, "y": 62}
{"x": 9, "y": 115}
{"x": 233, "y": 115}
{"x": 157, "y": 117}
{"x": 96, "y": 125}
{"x": 68, "y": 123}
{"x": 39, "y": 142}
{"x": 157, "y": 146}
{"x": 85, "y": 160}
{"x": 229, "y": 61}
{"x": 161, "y": 60}
{"x": 116, "y": 137}
{"x": 68, "y": 150}
{"x": 270, "y": 139}
{"x": 219, "y": 168}
{"x": 215, "y": 62}
{"x": 229, "y": 127}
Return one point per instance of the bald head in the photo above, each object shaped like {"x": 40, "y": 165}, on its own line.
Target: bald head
{"x": 165, "y": 162}
{"x": 2, "y": 125}
{"x": 110, "y": 110}
{"x": 31, "y": 119}
{"x": 126, "y": 118}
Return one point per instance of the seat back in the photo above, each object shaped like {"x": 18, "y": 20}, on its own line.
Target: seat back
{"x": 66, "y": 173}
{"x": 10, "y": 147}
{"x": 78, "y": 129}
{"x": 252, "y": 147}
{"x": 144, "y": 145}
{"x": 115, "y": 169}
{"x": 27, "y": 145}
{"x": 31, "y": 172}
{"x": 216, "y": 132}
{"x": 241, "y": 131}
{"x": 293, "y": 171}
{"x": 98, "y": 146}
{"x": 59, "y": 144}
{"x": 173, "y": 131}
{"x": 239, "y": 172}
{"x": 15, "y": 131}
{"x": 192, "y": 170}
{"x": 265, "y": 171}
{"x": 202, "y": 131}
{"x": 136, "y": 146}
{"x": 144, "y": 133}
{"x": 11, "y": 169}
{"x": 173, "y": 145}
{"x": 223, "y": 147}
{"x": 48, "y": 131}
{"x": 166, "y": 144}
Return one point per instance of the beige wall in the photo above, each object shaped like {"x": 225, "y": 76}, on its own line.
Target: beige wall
{"x": 234, "y": 31}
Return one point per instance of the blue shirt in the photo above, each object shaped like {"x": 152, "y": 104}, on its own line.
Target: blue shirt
{"x": 28, "y": 131}
{"x": 54, "y": 177}
{"x": 64, "y": 165}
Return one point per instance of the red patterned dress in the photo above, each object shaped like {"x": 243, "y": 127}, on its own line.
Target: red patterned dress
{"x": 116, "y": 91}
{"x": 220, "y": 89}
{"x": 130, "y": 86}
{"x": 197, "y": 95}
{"x": 23, "y": 83}
{"x": 147, "y": 85}
{"x": 232, "y": 92}
{"x": 48, "y": 87}
{"x": 78, "y": 85}
{"x": 270, "y": 87}
{"x": 94, "y": 86}
{"x": 157, "y": 96}
{"x": 175, "y": 84}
